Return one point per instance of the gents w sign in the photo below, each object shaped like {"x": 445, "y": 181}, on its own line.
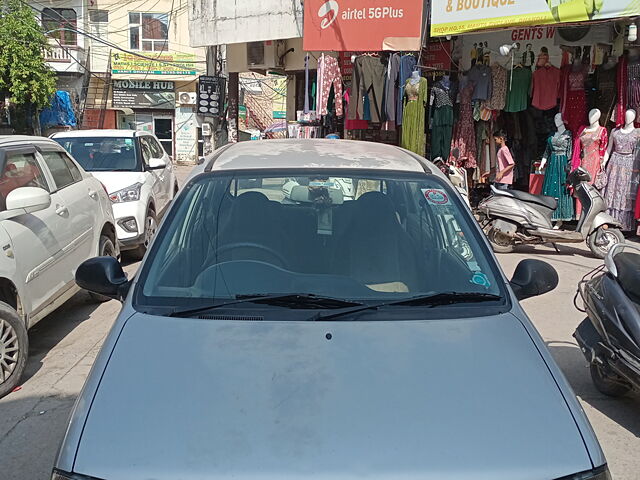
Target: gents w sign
{"x": 362, "y": 25}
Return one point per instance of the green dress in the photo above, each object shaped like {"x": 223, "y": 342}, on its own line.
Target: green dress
{"x": 558, "y": 154}
{"x": 413, "y": 133}
{"x": 518, "y": 90}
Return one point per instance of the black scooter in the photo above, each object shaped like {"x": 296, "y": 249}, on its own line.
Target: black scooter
{"x": 610, "y": 337}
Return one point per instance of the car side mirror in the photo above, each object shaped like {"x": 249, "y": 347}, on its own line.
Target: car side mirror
{"x": 201, "y": 160}
{"x": 156, "y": 163}
{"x": 533, "y": 278}
{"x": 23, "y": 200}
{"x": 104, "y": 276}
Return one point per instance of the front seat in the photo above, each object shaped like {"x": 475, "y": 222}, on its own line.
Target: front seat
{"x": 375, "y": 249}
{"x": 252, "y": 221}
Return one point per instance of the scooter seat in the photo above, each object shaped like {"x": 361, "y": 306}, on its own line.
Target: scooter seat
{"x": 628, "y": 265}
{"x": 541, "y": 200}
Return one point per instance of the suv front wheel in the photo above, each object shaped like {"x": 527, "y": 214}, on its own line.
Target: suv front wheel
{"x": 150, "y": 227}
{"x": 14, "y": 348}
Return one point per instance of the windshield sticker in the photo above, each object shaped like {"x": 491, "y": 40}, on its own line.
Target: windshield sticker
{"x": 435, "y": 196}
{"x": 128, "y": 141}
{"x": 481, "y": 279}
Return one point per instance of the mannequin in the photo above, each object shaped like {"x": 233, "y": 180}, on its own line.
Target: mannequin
{"x": 621, "y": 188}
{"x": 413, "y": 116}
{"x": 589, "y": 149}
{"x": 557, "y": 155}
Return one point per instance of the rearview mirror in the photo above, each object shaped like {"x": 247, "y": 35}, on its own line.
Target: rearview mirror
{"x": 104, "y": 276}
{"x": 532, "y": 278}
{"x": 25, "y": 200}
{"x": 300, "y": 193}
{"x": 157, "y": 163}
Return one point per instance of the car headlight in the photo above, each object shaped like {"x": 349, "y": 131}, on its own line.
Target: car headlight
{"x": 600, "y": 473}
{"x": 60, "y": 475}
{"x": 129, "y": 194}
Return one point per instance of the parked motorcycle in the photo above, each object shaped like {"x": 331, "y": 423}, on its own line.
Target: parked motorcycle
{"x": 610, "y": 337}
{"x": 511, "y": 217}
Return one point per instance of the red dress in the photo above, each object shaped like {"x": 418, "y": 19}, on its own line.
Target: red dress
{"x": 574, "y": 102}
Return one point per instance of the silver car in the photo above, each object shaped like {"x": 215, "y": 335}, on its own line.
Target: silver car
{"x": 319, "y": 335}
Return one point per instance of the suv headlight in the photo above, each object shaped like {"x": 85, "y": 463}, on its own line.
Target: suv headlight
{"x": 129, "y": 194}
{"x": 600, "y": 473}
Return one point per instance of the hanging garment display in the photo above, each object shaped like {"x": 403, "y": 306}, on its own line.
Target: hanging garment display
{"x": 607, "y": 91}
{"x": 480, "y": 75}
{"x": 465, "y": 137}
{"x": 621, "y": 86}
{"x": 407, "y": 65}
{"x": 622, "y": 178}
{"x": 391, "y": 91}
{"x": 441, "y": 121}
{"x": 518, "y": 90}
{"x": 633, "y": 86}
{"x": 357, "y": 123}
{"x": 546, "y": 87}
{"x": 558, "y": 154}
{"x": 588, "y": 150}
{"x": 328, "y": 75}
{"x": 574, "y": 102}
{"x": 413, "y": 133}
{"x": 498, "y": 96}
{"x": 368, "y": 79}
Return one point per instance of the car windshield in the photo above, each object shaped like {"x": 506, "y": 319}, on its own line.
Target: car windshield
{"x": 360, "y": 238}
{"x": 102, "y": 154}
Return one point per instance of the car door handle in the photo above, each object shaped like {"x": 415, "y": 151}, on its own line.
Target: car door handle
{"x": 61, "y": 210}
{"x": 93, "y": 194}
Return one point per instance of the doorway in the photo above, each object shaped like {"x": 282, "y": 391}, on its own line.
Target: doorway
{"x": 163, "y": 128}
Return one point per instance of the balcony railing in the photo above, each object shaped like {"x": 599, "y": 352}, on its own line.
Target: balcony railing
{"x": 57, "y": 53}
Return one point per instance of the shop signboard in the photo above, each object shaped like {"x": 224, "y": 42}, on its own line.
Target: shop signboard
{"x": 167, "y": 63}
{"x": 362, "y": 25}
{"x": 452, "y": 17}
{"x": 144, "y": 94}
{"x": 211, "y": 95}
{"x": 279, "y": 114}
{"x": 437, "y": 55}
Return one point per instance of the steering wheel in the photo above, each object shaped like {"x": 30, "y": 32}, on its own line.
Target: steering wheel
{"x": 256, "y": 246}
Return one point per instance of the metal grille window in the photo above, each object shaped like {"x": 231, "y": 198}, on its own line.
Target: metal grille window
{"x": 149, "y": 31}
{"x": 61, "y": 24}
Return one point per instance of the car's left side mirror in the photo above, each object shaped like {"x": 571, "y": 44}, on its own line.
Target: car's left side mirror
{"x": 104, "y": 276}
{"x": 533, "y": 278}
{"x": 156, "y": 163}
{"x": 24, "y": 200}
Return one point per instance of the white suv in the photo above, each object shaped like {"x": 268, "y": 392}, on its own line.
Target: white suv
{"x": 137, "y": 173}
{"x": 53, "y": 216}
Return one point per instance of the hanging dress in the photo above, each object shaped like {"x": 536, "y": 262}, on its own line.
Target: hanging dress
{"x": 622, "y": 178}
{"x": 413, "y": 133}
{"x": 574, "y": 104}
{"x": 558, "y": 155}
{"x": 588, "y": 151}
{"x": 441, "y": 122}
{"x": 465, "y": 135}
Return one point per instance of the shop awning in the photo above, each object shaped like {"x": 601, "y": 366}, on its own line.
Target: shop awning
{"x": 453, "y": 17}
{"x": 362, "y": 25}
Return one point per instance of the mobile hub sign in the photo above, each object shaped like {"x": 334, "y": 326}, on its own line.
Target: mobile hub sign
{"x": 362, "y": 25}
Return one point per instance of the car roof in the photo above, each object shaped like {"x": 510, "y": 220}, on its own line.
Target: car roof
{"x": 12, "y": 140}
{"x": 100, "y": 133}
{"x": 317, "y": 153}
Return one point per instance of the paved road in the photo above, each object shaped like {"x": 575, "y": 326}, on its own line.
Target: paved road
{"x": 64, "y": 345}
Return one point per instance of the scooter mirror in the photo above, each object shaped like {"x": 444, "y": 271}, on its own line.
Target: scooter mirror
{"x": 533, "y": 278}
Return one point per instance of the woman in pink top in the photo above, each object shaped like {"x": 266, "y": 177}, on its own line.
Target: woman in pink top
{"x": 504, "y": 175}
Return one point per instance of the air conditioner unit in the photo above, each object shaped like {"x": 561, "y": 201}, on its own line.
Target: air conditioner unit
{"x": 187, "y": 98}
{"x": 266, "y": 55}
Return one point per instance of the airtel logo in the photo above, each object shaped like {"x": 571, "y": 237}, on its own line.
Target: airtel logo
{"x": 328, "y": 10}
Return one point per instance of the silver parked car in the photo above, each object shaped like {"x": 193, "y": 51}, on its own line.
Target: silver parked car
{"x": 300, "y": 332}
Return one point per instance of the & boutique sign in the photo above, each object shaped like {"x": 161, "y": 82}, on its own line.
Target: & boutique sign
{"x": 362, "y": 25}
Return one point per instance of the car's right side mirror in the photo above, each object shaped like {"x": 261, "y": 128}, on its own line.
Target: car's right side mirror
{"x": 532, "y": 278}
{"x": 104, "y": 276}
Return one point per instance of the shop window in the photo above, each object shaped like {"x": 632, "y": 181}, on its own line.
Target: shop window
{"x": 61, "y": 24}
{"x": 149, "y": 31}
{"x": 99, "y": 16}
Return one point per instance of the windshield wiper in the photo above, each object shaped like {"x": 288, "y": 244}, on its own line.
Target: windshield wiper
{"x": 301, "y": 301}
{"x": 431, "y": 300}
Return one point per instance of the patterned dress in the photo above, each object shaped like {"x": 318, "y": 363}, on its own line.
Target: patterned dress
{"x": 588, "y": 150}
{"x": 499, "y": 90}
{"x": 574, "y": 106}
{"x": 558, "y": 155}
{"x": 413, "y": 134}
{"x": 622, "y": 178}
{"x": 465, "y": 135}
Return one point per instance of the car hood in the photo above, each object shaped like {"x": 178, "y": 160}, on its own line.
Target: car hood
{"x": 424, "y": 400}
{"x": 114, "y": 181}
